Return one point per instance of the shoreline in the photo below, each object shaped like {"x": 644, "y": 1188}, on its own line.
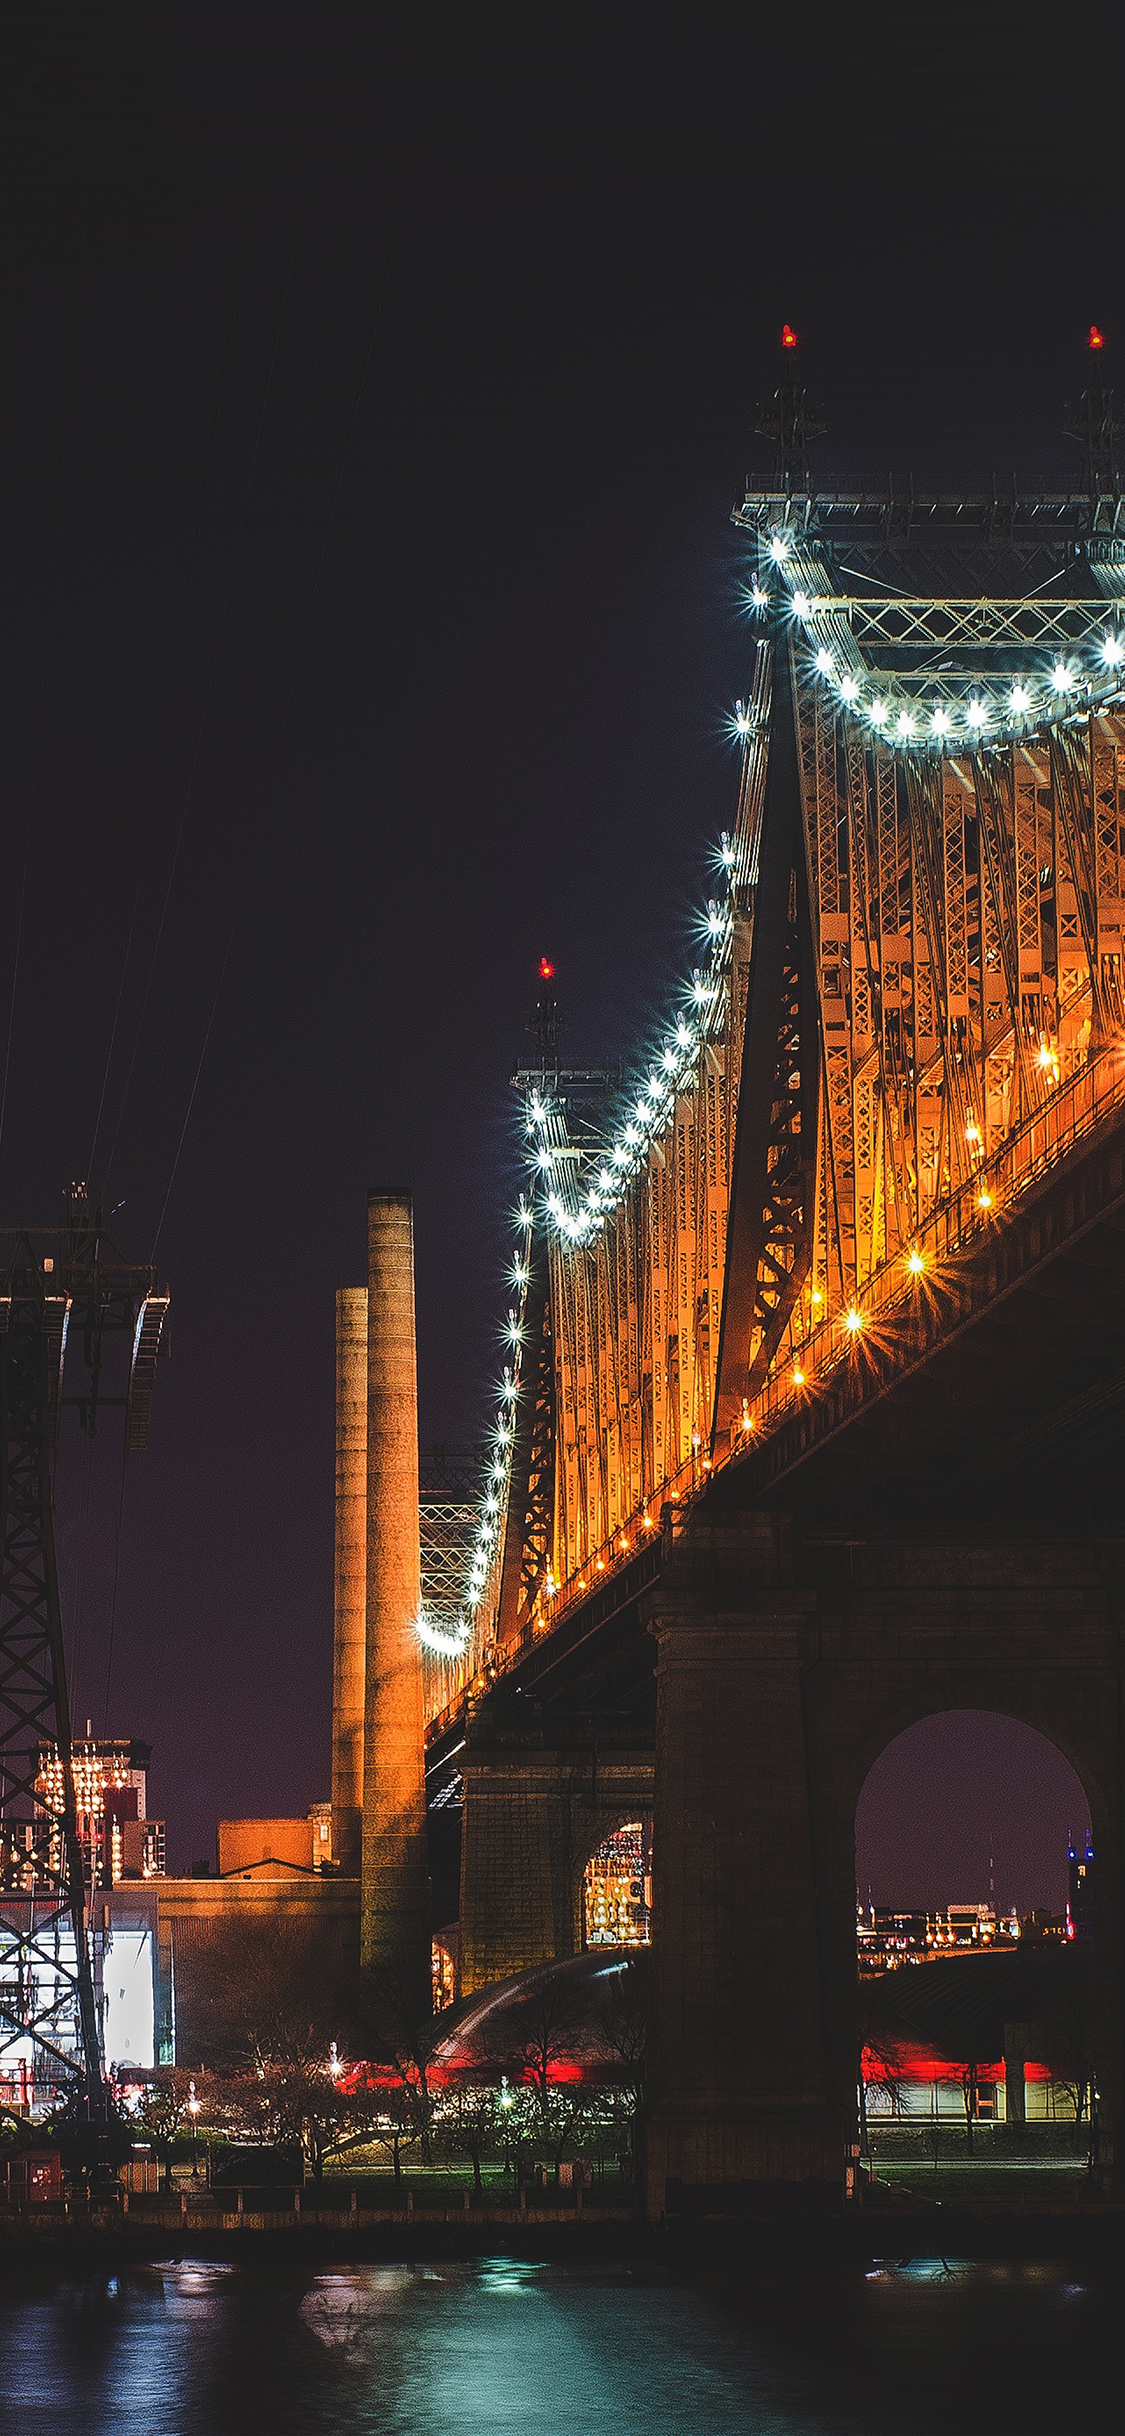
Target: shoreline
{"x": 35, "y": 2241}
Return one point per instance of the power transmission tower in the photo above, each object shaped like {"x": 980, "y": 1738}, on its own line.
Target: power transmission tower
{"x": 59, "y": 1288}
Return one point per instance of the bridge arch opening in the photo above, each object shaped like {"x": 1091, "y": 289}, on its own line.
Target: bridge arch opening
{"x": 617, "y": 1887}
{"x": 975, "y": 1893}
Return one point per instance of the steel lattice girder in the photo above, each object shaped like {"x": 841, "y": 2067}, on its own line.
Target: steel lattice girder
{"x": 42, "y": 1891}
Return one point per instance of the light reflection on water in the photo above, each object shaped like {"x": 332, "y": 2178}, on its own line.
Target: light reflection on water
{"x": 488, "y": 2347}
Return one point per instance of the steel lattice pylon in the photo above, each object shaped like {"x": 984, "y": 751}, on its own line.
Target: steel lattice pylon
{"x": 48, "y": 1297}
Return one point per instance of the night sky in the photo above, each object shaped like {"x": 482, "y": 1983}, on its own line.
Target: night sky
{"x": 373, "y": 403}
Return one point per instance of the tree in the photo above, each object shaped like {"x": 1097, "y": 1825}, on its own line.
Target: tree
{"x": 165, "y": 2108}
{"x": 466, "y": 2125}
{"x": 621, "y": 2023}
{"x": 396, "y": 2033}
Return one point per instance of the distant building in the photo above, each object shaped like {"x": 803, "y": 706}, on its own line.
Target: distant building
{"x": 886, "y": 1938}
{"x": 1079, "y": 1892}
{"x": 269, "y": 1847}
{"x": 617, "y": 1891}
{"x": 117, "y": 1837}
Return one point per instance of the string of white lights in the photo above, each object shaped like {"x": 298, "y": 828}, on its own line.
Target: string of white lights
{"x": 913, "y": 712}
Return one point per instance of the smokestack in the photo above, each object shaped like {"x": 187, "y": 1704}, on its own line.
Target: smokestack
{"x": 395, "y": 1897}
{"x": 351, "y": 1576}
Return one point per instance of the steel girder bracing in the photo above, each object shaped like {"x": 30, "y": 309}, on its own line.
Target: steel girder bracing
{"x": 770, "y": 1227}
{"x": 46, "y": 1982}
{"x": 76, "y": 1292}
{"x": 529, "y": 1532}
{"x": 915, "y": 993}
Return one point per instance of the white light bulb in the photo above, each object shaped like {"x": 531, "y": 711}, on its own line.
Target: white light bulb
{"x": 824, "y": 661}
{"x": 976, "y": 713}
{"x": 1019, "y": 700}
{"x": 905, "y": 723}
{"x": 879, "y": 714}
{"x": 1113, "y": 651}
{"x": 940, "y": 721}
{"x": 801, "y": 604}
{"x": 1061, "y": 678}
{"x": 761, "y": 600}
{"x": 779, "y": 549}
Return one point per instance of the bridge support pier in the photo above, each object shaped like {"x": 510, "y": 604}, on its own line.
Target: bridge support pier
{"x": 533, "y": 1814}
{"x": 786, "y": 1665}
{"x": 742, "y": 2080}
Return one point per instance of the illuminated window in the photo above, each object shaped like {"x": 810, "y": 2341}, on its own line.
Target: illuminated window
{"x": 617, "y": 1888}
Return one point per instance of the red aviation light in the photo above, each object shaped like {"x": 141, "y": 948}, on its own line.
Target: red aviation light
{"x": 789, "y": 337}
{"x": 1095, "y": 339}
{"x": 546, "y": 969}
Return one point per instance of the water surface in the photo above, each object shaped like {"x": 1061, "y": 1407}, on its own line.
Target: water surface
{"x": 488, "y": 2347}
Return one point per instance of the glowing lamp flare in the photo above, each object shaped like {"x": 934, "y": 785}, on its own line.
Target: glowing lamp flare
{"x": 789, "y": 337}
{"x": 1094, "y": 339}
{"x": 546, "y": 969}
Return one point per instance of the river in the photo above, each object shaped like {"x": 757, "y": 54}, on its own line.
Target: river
{"x": 501, "y": 2347}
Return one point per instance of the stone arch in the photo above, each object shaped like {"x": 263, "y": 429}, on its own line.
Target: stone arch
{"x": 977, "y": 1762}
{"x": 1067, "y": 1707}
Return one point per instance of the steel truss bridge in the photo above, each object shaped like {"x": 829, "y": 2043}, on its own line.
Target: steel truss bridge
{"x": 910, "y": 1011}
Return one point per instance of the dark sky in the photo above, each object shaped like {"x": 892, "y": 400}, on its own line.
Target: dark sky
{"x": 373, "y": 405}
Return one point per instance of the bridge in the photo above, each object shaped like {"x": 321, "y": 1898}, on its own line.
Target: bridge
{"x": 811, "y": 1418}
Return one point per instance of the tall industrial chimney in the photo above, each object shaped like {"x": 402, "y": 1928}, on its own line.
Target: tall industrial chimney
{"x": 395, "y": 1895}
{"x": 351, "y": 1576}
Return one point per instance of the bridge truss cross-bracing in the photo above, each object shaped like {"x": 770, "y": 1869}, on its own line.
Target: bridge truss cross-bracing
{"x": 912, "y": 1003}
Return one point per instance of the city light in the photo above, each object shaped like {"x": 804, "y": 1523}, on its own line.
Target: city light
{"x": 849, "y": 688}
{"x": 915, "y": 1262}
{"x": 1113, "y": 651}
{"x": 1062, "y": 677}
{"x": 853, "y": 1321}
{"x": 824, "y": 661}
{"x": 779, "y": 549}
{"x": 940, "y": 721}
{"x": 976, "y": 714}
{"x": 1019, "y": 700}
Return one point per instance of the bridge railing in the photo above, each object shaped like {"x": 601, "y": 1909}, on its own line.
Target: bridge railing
{"x": 1075, "y": 1108}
